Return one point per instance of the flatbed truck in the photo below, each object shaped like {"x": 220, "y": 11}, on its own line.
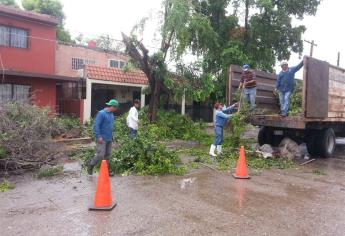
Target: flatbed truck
{"x": 323, "y": 107}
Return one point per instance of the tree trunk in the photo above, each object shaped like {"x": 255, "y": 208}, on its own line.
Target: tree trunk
{"x": 154, "y": 102}
{"x": 138, "y": 52}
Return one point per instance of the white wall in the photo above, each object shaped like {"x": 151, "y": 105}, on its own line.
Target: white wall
{"x": 90, "y": 83}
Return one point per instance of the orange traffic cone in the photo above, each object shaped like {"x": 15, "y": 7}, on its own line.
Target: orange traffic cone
{"x": 103, "y": 199}
{"x": 241, "y": 169}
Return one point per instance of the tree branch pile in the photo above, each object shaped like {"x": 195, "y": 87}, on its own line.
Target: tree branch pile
{"x": 25, "y": 137}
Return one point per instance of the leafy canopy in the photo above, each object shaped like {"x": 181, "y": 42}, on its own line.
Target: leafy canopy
{"x": 9, "y": 3}
{"x": 256, "y": 32}
{"x": 53, "y": 8}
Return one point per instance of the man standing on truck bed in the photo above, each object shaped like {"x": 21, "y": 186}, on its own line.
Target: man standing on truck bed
{"x": 248, "y": 83}
{"x": 285, "y": 85}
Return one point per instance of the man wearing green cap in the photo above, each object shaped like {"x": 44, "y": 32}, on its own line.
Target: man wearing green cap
{"x": 103, "y": 131}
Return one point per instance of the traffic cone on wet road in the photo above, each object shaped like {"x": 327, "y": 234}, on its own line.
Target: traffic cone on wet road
{"x": 241, "y": 169}
{"x": 103, "y": 200}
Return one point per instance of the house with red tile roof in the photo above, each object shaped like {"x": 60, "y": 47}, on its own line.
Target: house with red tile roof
{"x": 27, "y": 61}
{"x": 105, "y": 78}
{"x": 104, "y": 83}
{"x": 69, "y": 79}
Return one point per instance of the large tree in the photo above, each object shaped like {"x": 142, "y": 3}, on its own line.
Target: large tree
{"x": 183, "y": 29}
{"x": 108, "y": 43}
{"x": 257, "y": 32}
{"x": 53, "y": 8}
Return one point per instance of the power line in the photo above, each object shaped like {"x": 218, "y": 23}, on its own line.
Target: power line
{"x": 57, "y": 41}
{"x": 50, "y": 25}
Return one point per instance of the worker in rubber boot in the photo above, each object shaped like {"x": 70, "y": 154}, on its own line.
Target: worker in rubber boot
{"x": 248, "y": 83}
{"x": 285, "y": 85}
{"x": 103, "y": 132}
{"x": 223, "y": 114}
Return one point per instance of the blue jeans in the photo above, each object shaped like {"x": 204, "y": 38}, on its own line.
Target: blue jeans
{"x": 218, "y": 130}
{"x": 133, "y": 133}
{"x": 284, "y": 98}
{"x": 250, "y": 96}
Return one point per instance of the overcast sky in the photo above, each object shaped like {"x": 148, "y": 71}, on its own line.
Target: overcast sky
{"x": 113, "y": 16}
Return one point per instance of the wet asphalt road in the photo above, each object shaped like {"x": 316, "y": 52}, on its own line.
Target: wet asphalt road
{"x": 204, "y": 202}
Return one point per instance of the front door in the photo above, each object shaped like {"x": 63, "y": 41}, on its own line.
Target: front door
{"x": 136, "y": 95}
{"x": 99, "y": 97}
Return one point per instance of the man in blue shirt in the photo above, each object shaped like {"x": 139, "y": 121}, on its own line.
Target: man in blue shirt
{"x": 285, "y": 85}
{"x": 103, "y": 131}
{"x": 222, "y": 117}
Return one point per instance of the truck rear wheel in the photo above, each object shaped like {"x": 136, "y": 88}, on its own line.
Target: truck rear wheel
{"x": 265, "y": 136}
{"x": 327, "y": 142}
{"x": 312, "y": 146}
{"x": 321, "y": 143}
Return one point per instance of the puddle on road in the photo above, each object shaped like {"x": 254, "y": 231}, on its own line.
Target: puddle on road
{"x": 72, "y": 167}
{"x": 240, "y": 193}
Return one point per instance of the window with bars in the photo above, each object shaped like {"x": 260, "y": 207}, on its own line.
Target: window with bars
{"x": 13, "y": 37}
{"x": 116, "y": 63}
{"x": 15, "y": 93}
{"x": 78, "y": 63}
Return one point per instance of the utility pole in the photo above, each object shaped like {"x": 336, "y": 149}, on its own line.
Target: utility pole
{"x": 338, "y": 61}
{"x": 312, "y": 43}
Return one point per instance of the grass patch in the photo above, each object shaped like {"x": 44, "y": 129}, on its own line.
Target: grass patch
{"x": 227, "y": 164}
{"x": 318, "y": 172}
{"x": 84, "y": 154}
{"x": 5, "y": 186}
{"x": 49, "y": 172}
{"x": 193, "y": 165}
{"x": 229, "y": 159}
{"x": 2, "y": 152}
{"x": 262, "y": 163}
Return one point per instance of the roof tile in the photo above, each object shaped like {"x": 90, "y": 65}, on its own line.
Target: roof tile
{"x": 115, "y": 75}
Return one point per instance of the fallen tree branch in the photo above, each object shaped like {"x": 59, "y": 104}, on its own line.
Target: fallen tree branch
{"x": 25, "y": 137}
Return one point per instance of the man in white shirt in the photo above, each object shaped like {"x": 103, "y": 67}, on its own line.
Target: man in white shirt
{"x": 133, "y": 119}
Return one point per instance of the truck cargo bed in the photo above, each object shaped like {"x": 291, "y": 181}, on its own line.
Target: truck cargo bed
{"x": 293, "y": 122}
{"x": 323, "y": 107}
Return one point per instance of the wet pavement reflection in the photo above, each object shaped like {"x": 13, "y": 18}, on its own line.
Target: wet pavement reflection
{"x": 205, "y": 202}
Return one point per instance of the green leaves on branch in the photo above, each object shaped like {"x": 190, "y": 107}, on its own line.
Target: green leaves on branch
{"x": 268, "y": 36}
{"x": 146, "y": 154}
{"x": 53, "y": 8}
{"x": 184, "y": 28}
{"x": 9, "y": 3}
{"x": 190, "y": 80}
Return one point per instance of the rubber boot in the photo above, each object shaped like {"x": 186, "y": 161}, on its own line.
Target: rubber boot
{"x": 212, "y": 149}
{"x": 89, "y": 169}
{"x": 219, "y": 150}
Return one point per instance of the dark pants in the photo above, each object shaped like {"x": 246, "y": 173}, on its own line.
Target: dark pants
{"x": 218, "y": 140}
{"x": 103, "y": 152}
{"x": 133, "y": 133}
